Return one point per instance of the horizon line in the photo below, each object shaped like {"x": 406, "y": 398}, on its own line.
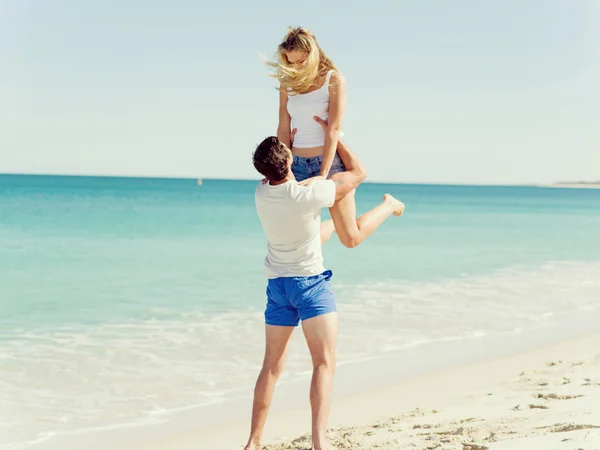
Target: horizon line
{"x": 173, "y": 177}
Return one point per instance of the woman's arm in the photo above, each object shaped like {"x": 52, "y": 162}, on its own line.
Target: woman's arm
{"x": 283, "y": 129}
{"x": 337, "y": 108}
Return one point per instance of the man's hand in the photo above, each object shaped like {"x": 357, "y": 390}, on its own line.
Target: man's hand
{"x": 324, "y": 124}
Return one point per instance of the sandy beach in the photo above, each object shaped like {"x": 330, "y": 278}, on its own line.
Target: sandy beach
{"x": 556, "y": 406}
{"x": 547, "y": 399}
{"x": 544, "y": 399}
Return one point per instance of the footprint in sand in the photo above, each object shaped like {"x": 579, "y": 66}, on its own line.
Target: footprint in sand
{"x": 555, "y": 396}
{"x": 590, "y": 382}
{"x": 566, "y": 427}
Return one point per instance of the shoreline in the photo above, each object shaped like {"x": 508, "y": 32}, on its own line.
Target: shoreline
{"x": 416, "y": 378}
{"x": 574, "y": 185}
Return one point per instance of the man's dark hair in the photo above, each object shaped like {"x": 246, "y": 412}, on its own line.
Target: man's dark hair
{"x": 271, "y": 159}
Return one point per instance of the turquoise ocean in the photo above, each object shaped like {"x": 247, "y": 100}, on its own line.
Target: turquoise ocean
{"x": 126, "y": 298}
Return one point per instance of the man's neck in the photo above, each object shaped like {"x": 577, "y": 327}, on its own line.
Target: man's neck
{"x": 290, "y": 177}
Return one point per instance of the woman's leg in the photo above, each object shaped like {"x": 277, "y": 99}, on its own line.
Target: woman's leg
{"x": 327, "y": 229}
{"x": 353, "y": 231}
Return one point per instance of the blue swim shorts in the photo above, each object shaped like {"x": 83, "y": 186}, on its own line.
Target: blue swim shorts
{"x": 291, "y": 299}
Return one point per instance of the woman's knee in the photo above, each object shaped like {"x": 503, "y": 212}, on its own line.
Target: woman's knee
{"x": 348, "y": 232}
{"x": 349, "y": 240}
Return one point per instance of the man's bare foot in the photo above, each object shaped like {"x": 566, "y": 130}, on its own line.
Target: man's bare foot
{"x": 323, "y": 446}
{"x": 397, "y": 205}
{"x": 252, "y": 446}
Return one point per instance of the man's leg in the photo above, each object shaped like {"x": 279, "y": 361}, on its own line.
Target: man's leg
{"x": 321, "y": 336}
{"x": 277, "y": 338}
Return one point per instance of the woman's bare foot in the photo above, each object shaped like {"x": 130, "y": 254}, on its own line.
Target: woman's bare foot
{"x": 397, "y": 205}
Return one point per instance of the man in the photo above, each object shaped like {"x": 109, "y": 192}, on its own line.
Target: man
{"x": 298, "y": 286}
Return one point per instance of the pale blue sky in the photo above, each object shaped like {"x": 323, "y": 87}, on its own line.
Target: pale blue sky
{"x": 467, "y": 91}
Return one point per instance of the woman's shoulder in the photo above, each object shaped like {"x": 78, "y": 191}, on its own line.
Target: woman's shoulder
{"x": 336, "y": 80}
{"x": 336, "y": 76}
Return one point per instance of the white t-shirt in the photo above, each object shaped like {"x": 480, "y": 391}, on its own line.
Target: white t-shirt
{"x": 291, "y": 218}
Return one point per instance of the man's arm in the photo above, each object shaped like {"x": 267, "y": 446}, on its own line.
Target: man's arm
{"x": 355, "y": 172}
{"x": 343, "y": 188}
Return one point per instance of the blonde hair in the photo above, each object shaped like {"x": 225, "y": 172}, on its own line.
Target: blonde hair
{"x": 299, "y": 79}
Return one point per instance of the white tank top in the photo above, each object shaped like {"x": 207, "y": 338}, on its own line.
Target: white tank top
{"x": 302, "y": 108}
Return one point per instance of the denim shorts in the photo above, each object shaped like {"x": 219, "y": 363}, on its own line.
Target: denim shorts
{"x": 291, "y": 299}
{"x": 304, "y": 168}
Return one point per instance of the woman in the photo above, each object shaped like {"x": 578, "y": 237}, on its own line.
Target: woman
{"x": 311, "y": 85}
